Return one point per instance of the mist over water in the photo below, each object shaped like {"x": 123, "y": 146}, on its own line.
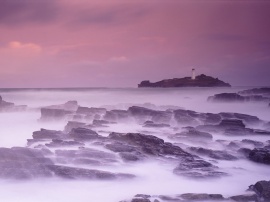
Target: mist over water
{"x": 153, "y": 177}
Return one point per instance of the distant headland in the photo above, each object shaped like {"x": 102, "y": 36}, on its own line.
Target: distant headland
{"x": 193, "y": 81}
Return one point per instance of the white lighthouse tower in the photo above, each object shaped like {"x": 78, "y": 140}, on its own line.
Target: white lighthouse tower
{"x": 193, "y": 76}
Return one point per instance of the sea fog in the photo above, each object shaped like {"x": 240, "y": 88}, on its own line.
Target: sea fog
{"x": 153, "y": 177}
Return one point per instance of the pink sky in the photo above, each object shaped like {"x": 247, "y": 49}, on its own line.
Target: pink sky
{"x": 110, "y": 43}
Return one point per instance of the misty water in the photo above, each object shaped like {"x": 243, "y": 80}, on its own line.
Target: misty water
{"x": 152, "y": 177}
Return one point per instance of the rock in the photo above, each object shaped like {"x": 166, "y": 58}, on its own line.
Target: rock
{"x": 232, "y": 123}
{"x": 169, "y": 198}
{"x": 128, "y": 156}
{"x": 117, "y": 115}
{"x": 184, "y": 117}
{"x": 156, "y": 125}
{"x": 83, "y": 134}
{"x": 81, "y": 173}
{"x": 73, "y": 124}
{"x": 200, "y": 81}
{"x": 193, "y": 133}
{"x": 202, "y": 197}
{"x": 140, "y": 200}
{"x": 142, "y": 114}
{"x": 61, "y": 143}
{"x": 10, "y": 107}
{"x": 148, "y": 144}
{"x": 262, "y": 188}
{"x": 260, "y": 155}
{"x": 215, "y": 154}
{"x": 196, "y": 168}
{"x": 244, "y": 151}
{"x": 253, "y": 142}
{"x": 226, "y": 97}
{"x": 91, "y": 111}
{"x": 119, "y": 147}
{"x": 256, "y": 91}
{"x": 23, "y": 163}
{"x": 245, "y": 197}
{"x": 58, "y": 112}
{"x": 44, "y": 134}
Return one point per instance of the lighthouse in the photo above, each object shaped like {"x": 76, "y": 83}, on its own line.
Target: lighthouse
{"x": 193, "y": 76}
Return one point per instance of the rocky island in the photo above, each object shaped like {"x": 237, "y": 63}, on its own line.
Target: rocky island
{"x": 199, "y": 81}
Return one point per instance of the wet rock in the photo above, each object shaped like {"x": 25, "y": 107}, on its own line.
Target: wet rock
{"x": 253, "y": 142}
{"x": 62, "y": 143}
{"x": 245, "y": 197}
{"x": 73, "y": 124}
{"x": 140, "y": 200}
{"x": 256, "y": 91}
{"x": 131, "y": 156}
{"x": 184, "y": 117}
{"x": 58, "y": 112}
{"x": 83, "y": 134}
{"x": 197, "y": 168}
{"x": 202, "y": 197}
{"x": 260, "y": 155}
{"x": 91, "y": 111}
{"x": 142, "y": 114}
{"x": 156, "y": 125}
{"x": 119, "y": 147}
{"x": 88, "y": 153}
{"x": 244, "y": 151}
{"x": 262, "y": 188}
{"x": 117, "y": 116}
{"x": 45, "y": 134}
{"x": 148, "y": 144}
{"x": 226, "y": 97}
{"x": 81, "y": 173}
{"x": 215, "y": 154}
{"x": 193, "y": 133}
{"x": 22, "y": 163}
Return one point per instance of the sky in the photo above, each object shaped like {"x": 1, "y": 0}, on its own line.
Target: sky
{"x": 119, "y": 43}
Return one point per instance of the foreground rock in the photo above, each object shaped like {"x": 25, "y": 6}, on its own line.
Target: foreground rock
{"x": 262, "y": 189}
{"x": 260, "y": 155}
{"x": 200, "y": 81}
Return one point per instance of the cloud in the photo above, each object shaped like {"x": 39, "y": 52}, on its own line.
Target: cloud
{"x": 13, "y": 12}
{"x": 119, "y": 59}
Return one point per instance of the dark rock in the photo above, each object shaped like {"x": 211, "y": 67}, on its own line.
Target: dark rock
{"x": 119, "y": 147}
{"x": 246, "y": 197}
{"x": 62, "y": 143}
{"x": 73, "y": 124}
{"x": 186, "y": 117}
{"x": 256, "y": 91}
{"x": 215, "y": 154}
{"x": 168, "y": 198}
{"x": 262, "y": 188}
{"x": 253, "y": 142}
{"x": 232, "y": 123}
{"x": 260, "y": 155}
{"x": 227, "y": 97}
{"x": 193, "y": 133}
{"x": 140, "y": 200}
{"x": 116, "y": 115}
{"x": 142, "y": 196}
{"x": 128, "y": 156}
{"x": 244, "y": 151}
{"x": 148, "y": 144}
{"x": 142, "y": 114}
{"x": 91, "y": 111}
{"x": 83, "y": 134}
{"x": 100, "y": 122}
{"x": 81, "y": 173}
{"x": 200, "y": 81}
{"x": 202, "y": 197}
{"x": 193, "y": 168}
{"x": 156, "y": 125}
{"x": 44, "y": 134}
